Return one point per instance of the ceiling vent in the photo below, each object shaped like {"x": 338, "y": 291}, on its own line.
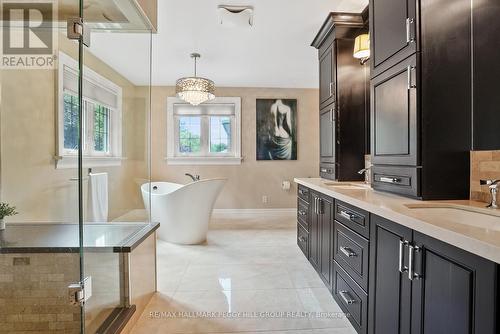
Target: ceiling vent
{"x": 235, "y": 16}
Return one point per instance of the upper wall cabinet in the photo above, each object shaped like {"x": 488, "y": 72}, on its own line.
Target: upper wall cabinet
{"x": 421, "y": 99}
{"x": 343, "y": 95}
{"x": 393, "y": 32}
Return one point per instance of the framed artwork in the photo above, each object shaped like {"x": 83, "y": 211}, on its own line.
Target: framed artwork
{"x": 276, "y": 129}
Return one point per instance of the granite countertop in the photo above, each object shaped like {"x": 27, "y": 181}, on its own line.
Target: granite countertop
{"x": 64, "y": 238}
{"x": 465, "y": 224}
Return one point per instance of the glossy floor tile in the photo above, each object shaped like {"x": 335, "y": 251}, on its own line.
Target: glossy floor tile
{"x": 249, "y": 277}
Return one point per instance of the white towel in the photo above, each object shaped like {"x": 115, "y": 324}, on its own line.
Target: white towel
{"x": 97, "y": 206}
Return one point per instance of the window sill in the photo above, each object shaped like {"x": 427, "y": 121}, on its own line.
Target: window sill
{"x": 185, "y": 161}
{"x": 71, "y": 161}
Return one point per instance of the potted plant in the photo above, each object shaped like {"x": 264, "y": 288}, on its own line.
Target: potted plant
{"x": 6, "y": 211}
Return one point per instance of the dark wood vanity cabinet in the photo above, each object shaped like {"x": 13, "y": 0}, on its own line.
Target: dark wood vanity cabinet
{"x": 421, "y": 285}
{"x": 344, "y": 97}
{"x": 421, "y": 98}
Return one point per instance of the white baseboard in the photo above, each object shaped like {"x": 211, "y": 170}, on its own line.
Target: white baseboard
{"x": 246, "y": 212}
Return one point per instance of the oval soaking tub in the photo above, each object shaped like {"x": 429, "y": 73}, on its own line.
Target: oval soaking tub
{"x": 183, "y": 211}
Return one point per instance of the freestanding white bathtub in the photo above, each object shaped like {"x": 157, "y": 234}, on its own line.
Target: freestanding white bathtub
{"x": 183, "y": 211}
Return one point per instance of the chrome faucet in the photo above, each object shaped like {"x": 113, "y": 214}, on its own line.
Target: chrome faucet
{"x": 193, "y": 177}
{"x": 367, "y": 172}
{"x": 364, "y": 170}
{"x": 493, "y": 185}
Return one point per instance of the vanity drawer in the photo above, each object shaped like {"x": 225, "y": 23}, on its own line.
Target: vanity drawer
{"x": 399, "y": 180}
{"x": 303, "y": 213}
{"x": 351, "y": 298}
{"x": 351, "y": 253}
{"x": 303, "y": 193}
{"x": 303, "y": 240}
{"x": 355, "y": 218}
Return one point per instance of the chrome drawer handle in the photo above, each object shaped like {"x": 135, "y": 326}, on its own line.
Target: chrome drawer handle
{"x": 345, "y": 214}
{"x": 302, "y": 213}
{"x": 302, "y": 239}
{"x": 302, "y": 192}
{"x": 348, "y": 252}
{"x": 390, "y": 180}
{"x": 411, "y": 270}
{"x": 402, "y": 244}
{"x": 346, "y": 297}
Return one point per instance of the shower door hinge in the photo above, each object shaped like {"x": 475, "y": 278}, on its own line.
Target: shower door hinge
{"x": 80, "y": 292}
{"x": 77, "y": 29}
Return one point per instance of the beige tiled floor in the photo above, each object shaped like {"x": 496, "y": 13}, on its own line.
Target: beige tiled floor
{"x": 249, "y": 264}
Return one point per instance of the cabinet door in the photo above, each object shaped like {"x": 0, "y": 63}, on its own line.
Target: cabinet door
{"x": 389, "y": 287}
{"x": 394, "y": 115}
{"x": 314, "y": 231}
{"x": 327, "y": 135}
{"x": 392, "y": 31}
{"x": 327, "y": 76}
{"x": 454, "y": 293}
{"x": 326, "y": 234}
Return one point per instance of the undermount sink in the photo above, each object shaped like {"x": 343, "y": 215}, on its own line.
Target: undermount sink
{"x": 344, "y": 185}
{"x": 458, "y": 214}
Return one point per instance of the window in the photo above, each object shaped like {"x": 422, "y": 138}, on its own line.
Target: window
{"x": 208, "y": 134}
{"x": 102, "y": 142}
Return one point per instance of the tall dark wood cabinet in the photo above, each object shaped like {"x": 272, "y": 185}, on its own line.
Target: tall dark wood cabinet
{"x": 343, "y": 97}
{"x": 421, "y": 285}
{"x": 421, "y": 97}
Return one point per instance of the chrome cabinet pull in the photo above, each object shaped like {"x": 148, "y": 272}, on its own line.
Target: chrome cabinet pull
{"x": 348, "y": 252}
{"x": 302, "y": 212}
{"x": 411, "y": 270}
{"x": 409, "y": 25}
{"x": 346, "y": 297}
{"x": 345, "y": 214}
{"x": 315, "y": 205}
{"x": 320, "y": 206}
{"x": 409, "y": 71}
{"x": 331, "y": 115}
{"x": 390, "y": 179}
{"x": 302, "y": 239}
{"x": 331, "y": 88}
{"x": 402, "y": 268}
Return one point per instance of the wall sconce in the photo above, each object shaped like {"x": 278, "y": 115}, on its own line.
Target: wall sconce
{"x": 362, "y": 48}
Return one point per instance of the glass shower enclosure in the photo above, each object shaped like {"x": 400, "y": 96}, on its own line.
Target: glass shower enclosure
{"x": 74, "y": 152}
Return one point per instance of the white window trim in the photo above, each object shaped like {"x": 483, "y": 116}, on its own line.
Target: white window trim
{"x": 65, "y": 158}
{"x": 222, "y": 159}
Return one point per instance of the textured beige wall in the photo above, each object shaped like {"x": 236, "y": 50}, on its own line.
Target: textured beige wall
{"x": 252, "y": 179}
{"x": 29, "y": 179}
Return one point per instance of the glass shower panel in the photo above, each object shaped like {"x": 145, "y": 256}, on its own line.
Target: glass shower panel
{"x": 39, "y": 248}
{"x": 116, "y": 148}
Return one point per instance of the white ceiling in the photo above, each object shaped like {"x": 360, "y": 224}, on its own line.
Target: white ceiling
{"x": 275, "y": 52}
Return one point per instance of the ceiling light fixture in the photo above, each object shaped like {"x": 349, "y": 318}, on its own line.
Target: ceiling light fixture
{"x": 195, "y": 90}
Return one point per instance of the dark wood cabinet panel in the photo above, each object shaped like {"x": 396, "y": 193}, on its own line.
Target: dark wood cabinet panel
{"x": 327, "y": 135}
{"x": 350, "y": 297}
{"x": 351, "y": 252}
{"x": 390, "y": 290}
{"x": 454, "y": 293}
{"x": 394, "y": 115}
{"x": 393, "y": 32}
{"x": 486, "y": 115}
{"x": 325, "y": 211}
{"x": 303, "y": 240}
{"x": 314, "y": 232}
{"x": 327, "y": 76}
